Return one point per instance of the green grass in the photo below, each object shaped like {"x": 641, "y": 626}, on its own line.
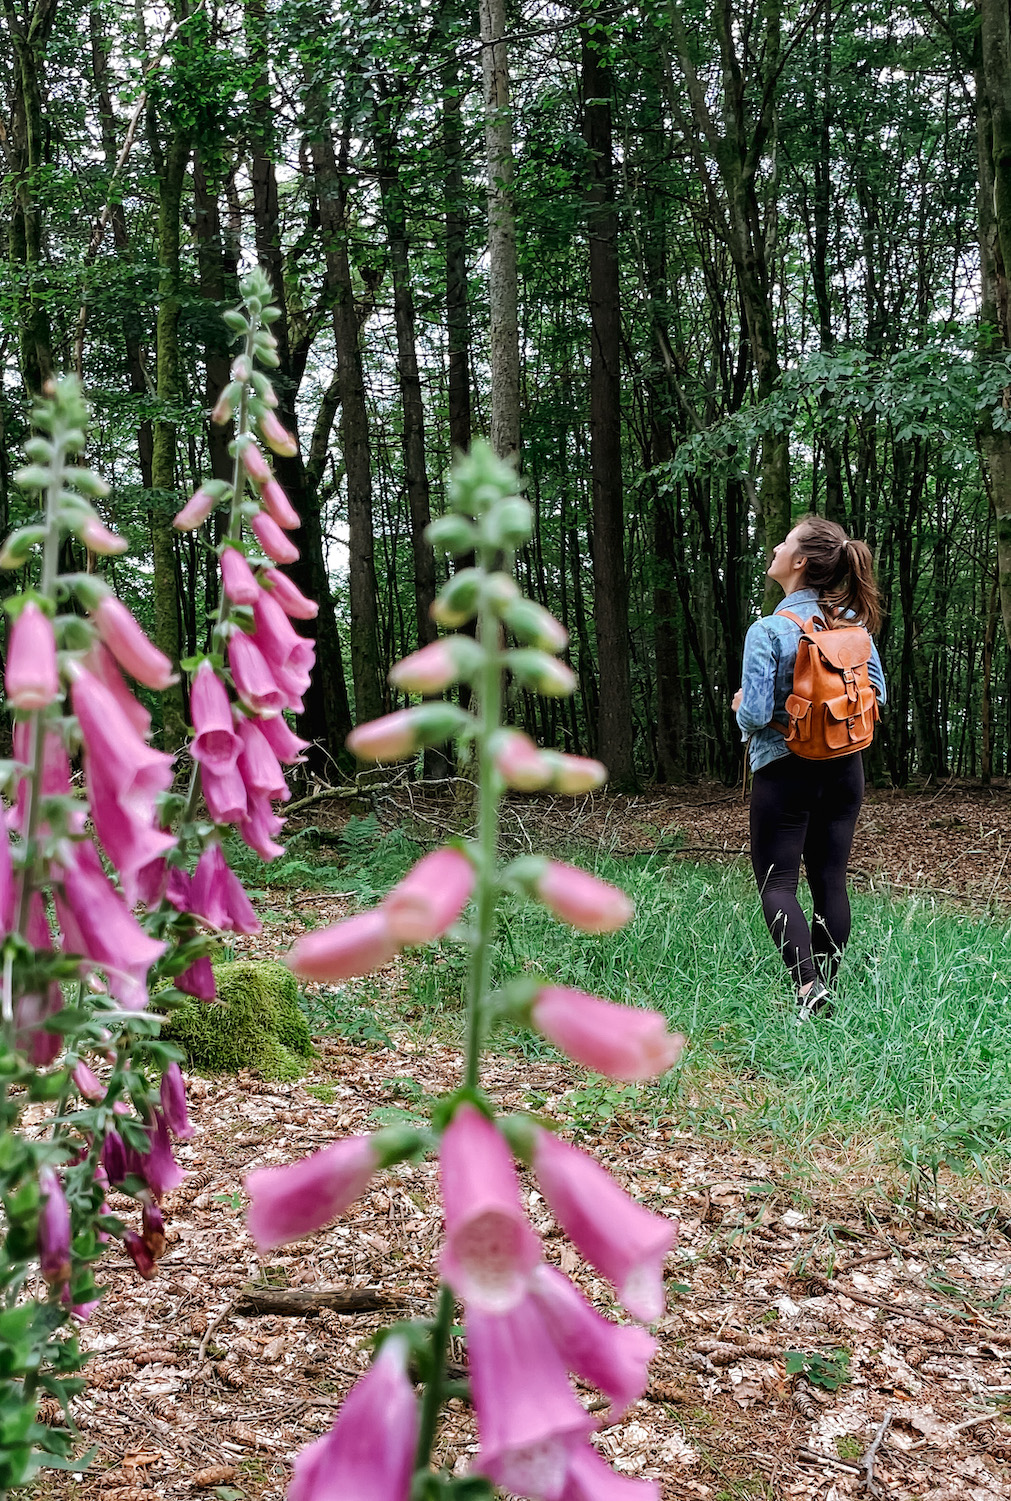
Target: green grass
{"x": 919, "y": 1048}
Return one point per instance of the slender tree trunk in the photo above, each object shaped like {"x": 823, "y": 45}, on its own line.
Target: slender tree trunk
{"x": 166, "y": 495}
{"x": 502, "y": 274}
{"x": 327, "y": 716}
{"x": 29, "y": 29}
{"x": 610, "y": 583}
{"x": 331, "y": 194}
{"x": 415, "y": 470}
{"x": 993, "y": 135}
{"x": 457, "y": 311}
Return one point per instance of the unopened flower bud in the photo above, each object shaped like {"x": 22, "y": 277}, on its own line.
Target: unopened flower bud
{"x": 291, "y": 599}
{"x": 195, "y": 512}
{"x": 357, "y": 946}
{"x": 87, "y": 1083}
{"x": 397, "y": 736}
{"x": 139, "y": 1254}
{"x": 544, "y": 674}
{"x": 99, "y": 538}
{"x": 583, "y": 900}
{"x": 31, "y": 680}
{"x": 508, "y": 524}
{"x": 242, "y": 368}
{"x": 224, "y": 407}
{"x": 437, "y": 665}
{"x": 479, "y": 479}
{"x": 273, "y": 541}
{"x": 430, "y": 898}
{"x": 279, "y": 507}
{"x": 575, "y": 775}
{"x": 255, "y": 464}
{"x": 17, "y": 549}
{"x": 457, "y": 601}
{"x": 451, "y": 534}
{"x": 123, "y": 636}
{"x": 277, "y": 437}
{"x": 519, "y": 762}
{"x": 238, "y": 579}
{"x": 534, "y": 625}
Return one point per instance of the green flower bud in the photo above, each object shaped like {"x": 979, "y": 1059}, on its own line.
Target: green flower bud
{"x": 88, "y": 482}
{"x": 235, "y": 321}
{"x": 457, "y": 601}
{"x": 508, "y": 523}
{"x": 17, "y": 549}
{"x": 74, "y": 633}
{"x": 32, "y": 477}
{"x": 541, "y": 673}
{"x": 451, "y": 534}
{"x": 531, "y": 623}
{"x": 479, "y": 479}
{"x": 87, "y": 588}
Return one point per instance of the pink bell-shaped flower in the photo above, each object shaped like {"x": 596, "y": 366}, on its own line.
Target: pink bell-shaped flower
{"x": 225, "y": 794}
{"x": 520, "y": 763}
{"x": 254, "y": 681}
{"x": 283, "y": 741}
{"x": 31, "y": 680}
{"x": 102, "y": 665}
{"x": 279, "y": 508}
{"x": 218, "y": 896}
{"x": 237, "y": 578}
{"x": 289, "y": 656}
{"x": 173, "y": 1103}
{"x": 614, "y": 1357}
{"x": 98, "y": 924}
{"x": 215, "y": 744}
{"x": 589, "y": 1478}
{"x": 258, "y": 828}
{"x": 528, "y": 1419}
{"x": 368, "y": 1455}
{"x": 291, "y": 599}
{"x": 195, "y": 512}
{"x": 272, "y": 539}
{"x": 356, "y": 946}
{"x": 54, "y": 1229}
{"x": 430, "y": 898}
{"x": 287, "y": 1203}
{"x": 625, "y": 1242}
{"x": 258, "y": 766}
{"x": 491, "y": 1248}
{"x": 124, "y": 776}
{"x": 583, "y": 900}
{"x": 623, "y": 1042}
{"x": 198, "y": 980}
{"x": 122, "y": 635}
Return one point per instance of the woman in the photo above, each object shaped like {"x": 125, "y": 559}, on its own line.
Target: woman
{"x": 803, "y": 808}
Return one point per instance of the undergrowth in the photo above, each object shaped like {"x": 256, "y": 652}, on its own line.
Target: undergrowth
{"x": 918, "y": 1050}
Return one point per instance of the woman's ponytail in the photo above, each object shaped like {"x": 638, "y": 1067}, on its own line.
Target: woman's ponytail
{"x": 841, "y": 570}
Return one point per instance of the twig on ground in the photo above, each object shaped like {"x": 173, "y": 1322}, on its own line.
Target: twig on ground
{"x": 812, "y": 1456}
{"x": 306, "y": 1303}
{"x": 216, "y": 1322}
{"x": 867, "y": 1463}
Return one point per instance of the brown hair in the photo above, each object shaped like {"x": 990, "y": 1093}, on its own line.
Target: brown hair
{"x": 841, "y": 570}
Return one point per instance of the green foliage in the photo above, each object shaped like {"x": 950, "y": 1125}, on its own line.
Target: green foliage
{"x": 256, "y": 1023}
{"x": 829, "y": 1369}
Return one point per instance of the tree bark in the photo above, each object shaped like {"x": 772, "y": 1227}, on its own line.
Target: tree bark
{"x": 502, "y": 273}
{"x": 610, "y": 582}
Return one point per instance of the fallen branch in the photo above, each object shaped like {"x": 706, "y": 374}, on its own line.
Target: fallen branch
{"x": 867, "y": 1463}
{"x": 307, "y": 1302}
{"x": 812, "y": 1456}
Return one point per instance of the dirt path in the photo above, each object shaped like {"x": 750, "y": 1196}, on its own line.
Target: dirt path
{"x": 761, "y": 1269}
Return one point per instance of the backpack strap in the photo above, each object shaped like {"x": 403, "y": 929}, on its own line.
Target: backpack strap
{"x": 789, "y": 615}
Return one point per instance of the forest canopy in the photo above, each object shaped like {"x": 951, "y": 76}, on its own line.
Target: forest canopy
{"x": 759, "y": 257}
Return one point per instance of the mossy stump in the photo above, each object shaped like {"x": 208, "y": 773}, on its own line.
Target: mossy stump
{"x": 255, "y": 1023}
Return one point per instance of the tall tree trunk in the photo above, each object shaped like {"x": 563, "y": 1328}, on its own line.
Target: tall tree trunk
{"x": 331, "y": 192}
{"x": 391, "y": 190}
{"x": 502, "y": 274}
{"x": 166, "y": 498}
{"x": 327, "y": 716}
{"x": 29, "y": 30}
{"x": 993, "y": 136}
{"x": 457, "y": 312}
{"x": 610, "y": 583}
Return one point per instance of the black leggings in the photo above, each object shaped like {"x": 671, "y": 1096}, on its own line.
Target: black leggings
{"x": 806, "y": 808}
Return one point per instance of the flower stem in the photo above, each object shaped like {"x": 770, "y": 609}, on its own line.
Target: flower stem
{"x": 489, "y": 690}
{"x": 432, "y": 1399}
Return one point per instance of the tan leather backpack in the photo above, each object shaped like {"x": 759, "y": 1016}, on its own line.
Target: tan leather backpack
{"x": 833, "y": 707}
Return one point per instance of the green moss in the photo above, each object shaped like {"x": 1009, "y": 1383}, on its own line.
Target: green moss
{"x": 255, "y": 1023}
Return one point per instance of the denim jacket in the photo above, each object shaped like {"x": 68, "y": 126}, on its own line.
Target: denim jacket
{"x": 770, "y": 651}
